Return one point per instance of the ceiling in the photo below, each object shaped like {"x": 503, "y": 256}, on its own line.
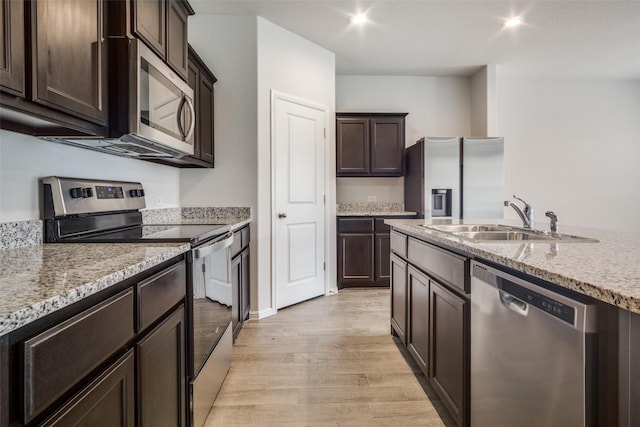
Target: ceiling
{"x": 452, "y": 37}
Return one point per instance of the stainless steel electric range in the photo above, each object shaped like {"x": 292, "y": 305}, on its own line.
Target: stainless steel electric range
{"x": 97, "y": 211}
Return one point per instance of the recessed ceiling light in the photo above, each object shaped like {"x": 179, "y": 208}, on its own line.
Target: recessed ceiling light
{"x": 513, "y": 22}
{"x": 359, "y": 19}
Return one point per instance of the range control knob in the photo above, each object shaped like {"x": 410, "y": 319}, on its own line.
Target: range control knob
{"x": 75, "y": 192}
{"x": 133, "y": 193}
{"x": 141, "y": 192}
{"x": 87, "y": 192}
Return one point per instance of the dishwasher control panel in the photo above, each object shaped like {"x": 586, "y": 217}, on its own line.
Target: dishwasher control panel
{"x": 551, "y": 306}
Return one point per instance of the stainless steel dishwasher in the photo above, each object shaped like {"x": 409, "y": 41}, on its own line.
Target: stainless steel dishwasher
{"x": 531, "y": 354}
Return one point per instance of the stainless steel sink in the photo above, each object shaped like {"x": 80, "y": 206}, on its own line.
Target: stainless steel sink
{"x": 505, "y": 233}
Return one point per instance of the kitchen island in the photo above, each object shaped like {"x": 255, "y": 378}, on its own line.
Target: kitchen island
{"x": 432, "y": 309}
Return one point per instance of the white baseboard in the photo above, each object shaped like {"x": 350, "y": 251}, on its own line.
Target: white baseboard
{"x": 257, "y": 315}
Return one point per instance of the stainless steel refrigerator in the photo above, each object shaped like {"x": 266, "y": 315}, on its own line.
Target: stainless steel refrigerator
{"x": 455, "y": 177}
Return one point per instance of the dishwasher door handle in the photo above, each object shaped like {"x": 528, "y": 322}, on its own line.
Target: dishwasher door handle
{"x": 513, "y": 303}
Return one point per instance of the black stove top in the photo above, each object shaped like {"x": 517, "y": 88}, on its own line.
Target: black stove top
{"x": 159, "y": 233}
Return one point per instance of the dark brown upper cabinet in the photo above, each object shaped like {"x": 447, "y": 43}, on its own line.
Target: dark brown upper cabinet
{"x": 162, "y": 25}
{"x": 70, "y": 57}
{"x": 53, "y": 67}
{"x": 12, "y": 66}
{"x": 370, "y": 144}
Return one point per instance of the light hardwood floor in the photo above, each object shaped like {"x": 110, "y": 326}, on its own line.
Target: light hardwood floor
{"x": 330, "y": 361}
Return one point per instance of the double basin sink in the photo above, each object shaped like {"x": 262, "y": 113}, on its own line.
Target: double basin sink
{"x": 505, "y": 233}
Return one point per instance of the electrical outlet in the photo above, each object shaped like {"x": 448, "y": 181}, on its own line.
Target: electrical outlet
{"x": 371, "y": 198}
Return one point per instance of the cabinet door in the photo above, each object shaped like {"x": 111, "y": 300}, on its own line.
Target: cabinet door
{"x": 177, "y": 37}
{"x": 150, "y": 25}
{"x": 245, "y": 293}
{"x": 387, "y": 146}
{"x": 355, "y": 259}
{"x": 108, "y": 401}
{"x": 383, "y": 251}
{"x": 236, "y": 283}
{"x": 205, "y": 118}
{"x": 352, "y": 146}
{"x": 399, "y": 297}
{"x": 70, "y": 62}
{"x": 161, "y": 374}
{"x": 418, "y": 327}
{"x": 448, "y": 371}
{"x": 12, "y": 46}
{"x": 193, "y": 80}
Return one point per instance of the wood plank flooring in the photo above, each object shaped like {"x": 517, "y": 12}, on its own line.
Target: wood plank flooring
{"x": 330, "y": 361}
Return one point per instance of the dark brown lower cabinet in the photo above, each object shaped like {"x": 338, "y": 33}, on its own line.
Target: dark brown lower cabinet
{"x": 448, "y": 342}
{"x": 355, "y": 259}
{"x": 245, "y": 288}
{"x": 418, "y": 328}
{"x": 399, "y": 297}
{"x": 236, "y": 282}
{"x": 108, "y": 401}
{"x": 161, "y": 374}
{"x": 383, "y": 251}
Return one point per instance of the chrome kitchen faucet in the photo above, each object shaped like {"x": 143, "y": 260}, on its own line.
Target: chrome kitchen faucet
{"x": 526, "y": 214}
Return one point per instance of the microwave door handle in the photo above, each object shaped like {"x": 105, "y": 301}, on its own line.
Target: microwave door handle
{"x": 192, "y": 125}
{"x": 183, "y": 101}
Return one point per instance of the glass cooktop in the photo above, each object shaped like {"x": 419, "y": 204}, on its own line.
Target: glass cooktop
{"x": 194, "y": 234}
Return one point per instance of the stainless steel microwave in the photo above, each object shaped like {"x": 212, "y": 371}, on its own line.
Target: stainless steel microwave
{"x": 151, "y": 109}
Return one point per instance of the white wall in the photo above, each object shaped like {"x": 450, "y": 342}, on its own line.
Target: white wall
{"x": 437, "y": 106}
{"x": 572, "y": 146}
{"x": 24, "y": 159}
{"x": 483, "y": 102}
{"x": 228, "y": 45}
{"x": 358, "y": 190}
{"x": 291, "y": 65}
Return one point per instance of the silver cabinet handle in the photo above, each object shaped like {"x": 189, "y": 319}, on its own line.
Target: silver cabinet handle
{"x": 282, "y": 215}
{"x": 221, "y": 243}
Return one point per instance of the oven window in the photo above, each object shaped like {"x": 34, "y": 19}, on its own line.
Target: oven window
{"x": 212, "y": 299}
{"x": 160, "y": 101}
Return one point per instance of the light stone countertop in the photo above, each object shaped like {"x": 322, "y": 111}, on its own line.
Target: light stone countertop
{"x": 38, "y": 280}
{"x": 608, "y": 270}
{"x": 372, "y": 209}
{"x": 375, "y": 213}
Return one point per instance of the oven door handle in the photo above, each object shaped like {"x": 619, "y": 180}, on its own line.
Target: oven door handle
{"x": 221, "y": 243}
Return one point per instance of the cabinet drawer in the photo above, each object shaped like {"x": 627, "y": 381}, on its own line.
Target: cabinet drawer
{"x": 160, "y": 292}
{"x": 445, "y": 266}
{"x": 60, "y": 357}
{"x": 381, "y": 227}
{"x": 355, "y": 225}
{"x": 399, "y": 243}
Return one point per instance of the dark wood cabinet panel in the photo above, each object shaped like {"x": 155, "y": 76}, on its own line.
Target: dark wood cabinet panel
{"x": 193, "y": 78}
{"x": 109, "y": 400}
{"x": 418, "y": 311}
{"x": 58, "y": 358}
{"x": 149, "y": 18}
{"x": 352, "y": 143}
{"x": 205, "y": 116}
{"x": 245, "y": 291}
{"x": 159, "y": 293}
{"x": 370, "y": 144}
{"x": 12, "y": 47}
{"x": 383, "y": 251}
{"x": 177, "y": 37}
{"x": 70, "y": 57}
{"x": 161, "y": 374}
{"x": 387, "y": 146}
{"x": 355, "y": 258}
{"x": 399, "y": 297}
{"x": 236, "y": 283}
{"x": 448, "y": 372}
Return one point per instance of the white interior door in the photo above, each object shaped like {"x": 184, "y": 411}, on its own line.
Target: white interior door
{"x": 299, "y": 218}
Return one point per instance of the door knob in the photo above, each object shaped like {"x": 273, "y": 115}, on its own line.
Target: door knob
{"x": 282, "y": 215}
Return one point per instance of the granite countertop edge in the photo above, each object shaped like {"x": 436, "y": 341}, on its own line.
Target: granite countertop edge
{"x": 624, "y": 294}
